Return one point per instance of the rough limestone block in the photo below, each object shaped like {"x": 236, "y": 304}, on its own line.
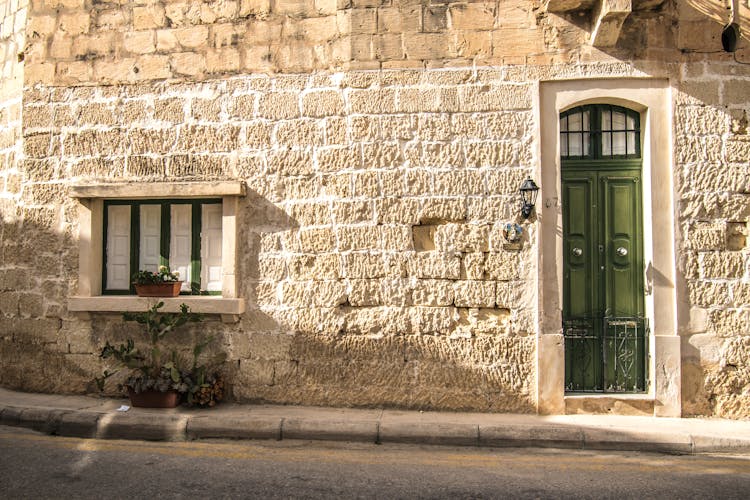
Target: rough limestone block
{"x": 257, "y": 134}
{"x": 489, "y": 210}
{"x": 300, "y": 133}
{"x": 396, "y": 237}
{"x": 148, "y": 17}
{"x": 358, "y": 237}
{"x": 307, "y": 267}
{"x": 434, "y": 265}
{"x": 741, "y": 294}
{"x": 351, "y": 212}
{"x": 397, "y": 127}
{"x": 222, "y": 60}
{"x": 74, "y": 23}
{"x": 397, "y": 210}
{"x": 202, "y": 138}
{"x": 492, "y": 154}
{"x": 292, "y": 162}
{"x": 140, "y": 42}
{"x": 462, "y": 238}
{"x": 706, "y": 236}
{"x": 505, "y": 181}
{"x": 316, "y": 240}
{"x": 429, "y": 292}
{"x": 335, "y": 159}
{"x": 364, "y": 265}
{"x": 40, "y": 145}
{"x": 474, "y": 293}
{"x": 364, "y": 293}
{"x": 721, "y": 265}
{"x": 151, "y": 140}
{"x": 279, "y": 105}
{"x": 502, "y": 266}
{"x": 443, "y": 210}
{"x": 309, "y": 214}
{"x": 434, "y": 127}
{"x": 484, "y": 321}
{"x": 702, "y": 120}
{"x": 472, "y": 266}
{"x": 382, "y": 155}
{"x": 439, "y": 155}
{"x": 730, "y": 322}
{"x": 322, "y": 103}
{"x": 188, "y": 63}
{"x": 373, "y": 101}
{"x": 297, "y": 188}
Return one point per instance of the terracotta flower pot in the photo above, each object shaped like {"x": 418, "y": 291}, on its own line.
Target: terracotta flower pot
{"x": 153, "y": 399}
{"x": 168, "y": 289}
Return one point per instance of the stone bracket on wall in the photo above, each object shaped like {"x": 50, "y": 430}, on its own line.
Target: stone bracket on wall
{"x": 606, "y": 16}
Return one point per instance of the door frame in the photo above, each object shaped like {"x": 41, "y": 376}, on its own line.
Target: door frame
{"x": 653, "y": 100}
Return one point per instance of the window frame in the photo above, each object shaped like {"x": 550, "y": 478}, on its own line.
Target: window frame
{"x": 165, "y": 204}
{"x": 596, "y": 132}
{"x": 90, "y": 199}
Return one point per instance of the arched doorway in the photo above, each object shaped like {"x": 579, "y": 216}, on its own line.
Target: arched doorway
{"x": 604, "y": 323}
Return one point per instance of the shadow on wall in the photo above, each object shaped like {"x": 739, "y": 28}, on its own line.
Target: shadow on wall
{"x": 404, "y": 371}
{"x": 325, "y": 354}
{"x": 42, "y": 348}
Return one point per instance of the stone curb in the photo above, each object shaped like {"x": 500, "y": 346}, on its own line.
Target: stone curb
{"x": 175, "y": 426}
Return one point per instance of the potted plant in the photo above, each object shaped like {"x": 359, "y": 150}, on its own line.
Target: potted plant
{"x": 160, "y": 377}
{"x": 163, "y": 283}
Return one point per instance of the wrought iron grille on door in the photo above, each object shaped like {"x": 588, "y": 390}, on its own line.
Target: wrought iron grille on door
{"x": 606, "y": 354}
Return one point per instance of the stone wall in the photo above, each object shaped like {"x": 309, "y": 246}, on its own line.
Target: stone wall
{"x": 713, "y": 183}
{"x": 373, "y": 268}
{"x": 374, "y": 264}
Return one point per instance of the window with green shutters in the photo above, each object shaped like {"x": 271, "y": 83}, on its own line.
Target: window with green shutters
{"x": 185, "y": 235}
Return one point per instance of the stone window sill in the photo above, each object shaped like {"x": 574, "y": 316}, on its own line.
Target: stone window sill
{"x": 228, "y": 308}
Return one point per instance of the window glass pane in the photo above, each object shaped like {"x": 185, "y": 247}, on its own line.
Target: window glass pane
{"x": 606, "y": 118}
{"x": 618, "y": 143}
{"x": 564, "y": 124}
{"x": 618, "y": 120}
{"x": 574, "y": 122}
{"x": 574, "y": 145}
{"x": 606, "y": 144}
{"x": 180, "y": 243}
{"x": 631, "y": 143}
{"x": 631, "y": 122}
{"x": 118, "y": 247}
{"x": 564, "y": 145}
{"x": 578, "y": 122}
{"x": 211, "y": 240}
{"x": 150, "y": 245}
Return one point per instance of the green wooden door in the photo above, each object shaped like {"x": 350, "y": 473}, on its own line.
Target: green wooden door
{"x": 603, "y": 297}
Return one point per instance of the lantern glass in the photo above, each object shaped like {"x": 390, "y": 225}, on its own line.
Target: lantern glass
{"x": 529, "y": 191}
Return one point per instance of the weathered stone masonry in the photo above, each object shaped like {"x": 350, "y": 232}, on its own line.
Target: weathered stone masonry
{"x": 382, "y": 145}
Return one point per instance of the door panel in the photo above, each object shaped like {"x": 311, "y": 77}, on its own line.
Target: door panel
{"x": 579, "y": 246}
{"x": 621, "y": 203}
{"x": 603, "y": 280}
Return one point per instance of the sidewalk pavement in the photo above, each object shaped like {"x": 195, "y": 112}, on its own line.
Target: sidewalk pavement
{"x": 94, "y": 417}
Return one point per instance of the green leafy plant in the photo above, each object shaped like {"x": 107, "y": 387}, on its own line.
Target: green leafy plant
{"x": 164, "y": 275}
{"x": 153, "y": 367}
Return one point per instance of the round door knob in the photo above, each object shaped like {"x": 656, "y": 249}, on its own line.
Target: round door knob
{"x": 577, "y": 252}
{"x": 622, "y": 251}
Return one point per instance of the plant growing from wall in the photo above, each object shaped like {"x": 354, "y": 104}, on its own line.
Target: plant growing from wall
{"x": 152, "y": 367}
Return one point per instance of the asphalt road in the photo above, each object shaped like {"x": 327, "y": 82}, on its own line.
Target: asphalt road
{"x": 33, "y": 465}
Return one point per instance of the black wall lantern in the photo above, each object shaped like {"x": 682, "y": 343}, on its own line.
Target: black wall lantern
{"x": 529, "y": 191}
